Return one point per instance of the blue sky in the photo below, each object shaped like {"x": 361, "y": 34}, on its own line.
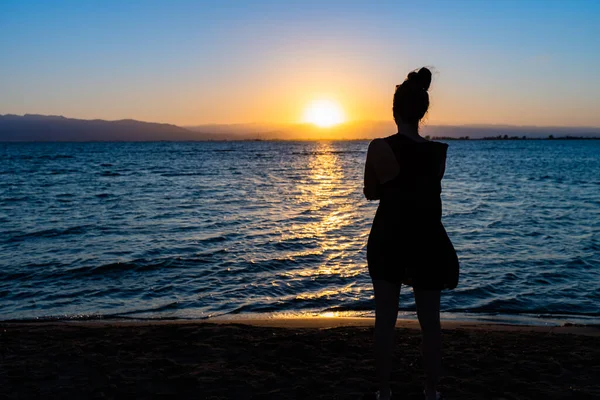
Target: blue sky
{"x": 184, "y": 62}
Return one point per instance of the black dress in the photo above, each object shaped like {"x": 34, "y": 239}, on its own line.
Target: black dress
{"x": 408, "y": 243}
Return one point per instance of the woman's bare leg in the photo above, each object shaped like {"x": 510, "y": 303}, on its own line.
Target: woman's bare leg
{"x": 386, "y": 313}
{"x": 428, "y": 312}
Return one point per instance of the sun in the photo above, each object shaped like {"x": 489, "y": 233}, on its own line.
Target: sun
{"x": 324, "y": 113}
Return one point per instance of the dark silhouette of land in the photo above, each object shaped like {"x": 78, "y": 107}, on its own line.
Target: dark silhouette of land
{"x": 41, "y": 128}
{"x": 506, "y": 137}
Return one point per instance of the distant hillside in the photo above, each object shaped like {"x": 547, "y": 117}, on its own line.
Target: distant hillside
{"x": 43, "y": 128}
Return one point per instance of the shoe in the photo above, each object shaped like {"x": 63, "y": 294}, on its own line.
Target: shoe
{"x": 438, "y": 396}
{"x": 378, "y": 395}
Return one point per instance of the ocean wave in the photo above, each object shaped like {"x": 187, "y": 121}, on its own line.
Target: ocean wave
{"x": 61, "y": 171}
{"x": 175, "y": 174}
{"x": 139, "y": 265}
{"x": 174, "y": 305}
{"x": 15, "y": 199}
{"x": 51, "y": 233}
{"x": 40, "y": 157}
{"x": 499, "y": 307}
{"x": 55, "y": 157}
{"x": 75, "y": 273}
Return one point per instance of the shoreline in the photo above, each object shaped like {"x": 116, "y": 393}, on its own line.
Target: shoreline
{"x": 404, "y": 316}
{"x": 320, "y": 323}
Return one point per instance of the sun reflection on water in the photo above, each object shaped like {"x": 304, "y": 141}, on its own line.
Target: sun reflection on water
{"x": 326, "y": 217}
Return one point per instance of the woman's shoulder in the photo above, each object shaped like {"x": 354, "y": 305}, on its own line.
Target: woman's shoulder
{"x": 383, "y": 144}
{"x": 440, "y": 145}
{"x": 403, "y": 139}
{"x": 380, "y": 141}
{"x": 440, "y": 149}
{"x": 381, "y": 153}
{"x": 379, "y": 144}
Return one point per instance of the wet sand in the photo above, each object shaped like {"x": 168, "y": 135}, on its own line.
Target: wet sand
{"x": 288, "y": 359}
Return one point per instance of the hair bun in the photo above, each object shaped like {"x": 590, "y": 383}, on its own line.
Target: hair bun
{"x": 421, "y": 78}
{"x": 411, "y": 100}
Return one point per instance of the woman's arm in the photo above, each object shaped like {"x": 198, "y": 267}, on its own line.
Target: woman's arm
{"x": 381, "y": 166}
{"x": 443, "y": 163}
{"x": 371, "y": 184}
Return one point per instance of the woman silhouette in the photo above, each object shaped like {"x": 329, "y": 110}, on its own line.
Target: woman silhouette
{"x": 408, "y": 243}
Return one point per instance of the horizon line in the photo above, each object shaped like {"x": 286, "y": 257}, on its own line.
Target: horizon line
{"x": 347, "y": 123}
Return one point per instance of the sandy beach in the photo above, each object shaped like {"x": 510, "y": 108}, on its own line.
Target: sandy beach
{"x": 288, "y": 359}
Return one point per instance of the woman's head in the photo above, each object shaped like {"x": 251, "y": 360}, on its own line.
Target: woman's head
{"x": 411, "y": 100}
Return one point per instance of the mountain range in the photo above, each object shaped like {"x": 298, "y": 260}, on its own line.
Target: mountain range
{"x": 34, "y": 128}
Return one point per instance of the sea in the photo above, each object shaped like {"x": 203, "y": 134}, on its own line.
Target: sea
{"x": 278, "y": 229}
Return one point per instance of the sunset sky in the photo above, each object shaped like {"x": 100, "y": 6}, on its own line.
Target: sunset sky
{"x": 198, "y": 62}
